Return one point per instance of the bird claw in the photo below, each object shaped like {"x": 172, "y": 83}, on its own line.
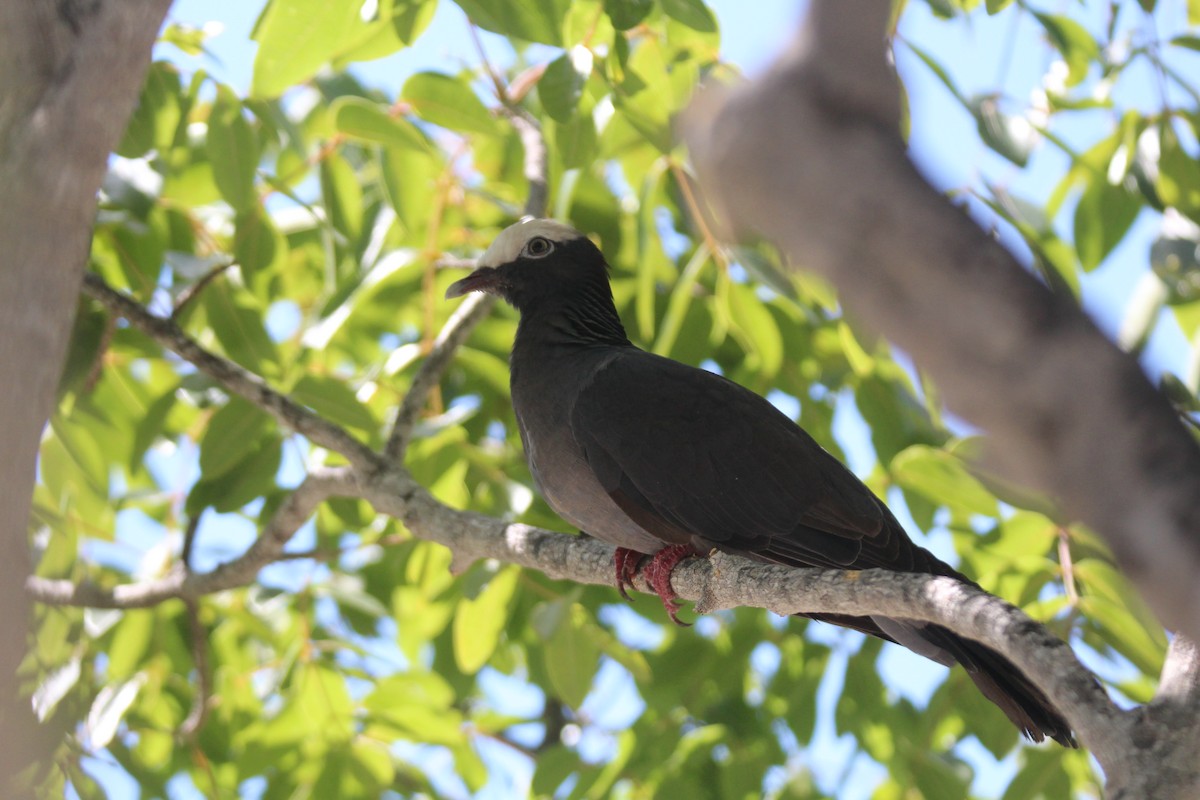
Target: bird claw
{"x": 626, "y": 561}
{"x": 658, "y": 574}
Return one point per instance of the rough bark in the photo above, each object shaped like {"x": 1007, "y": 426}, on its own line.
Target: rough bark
{"x": 723, "y": 582}
{"x": 69, "y": 76}
{"x": 811, "y": 158}
{"x": 1147, "y": 752}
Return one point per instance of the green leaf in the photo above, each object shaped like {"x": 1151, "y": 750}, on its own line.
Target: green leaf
{"x": 343, "y": 193}
{"x": 553, "y": 766}
{"x": 479, "y": 622}
{"x": 320, "y": 699}
{"x": 644, "y": 97}
{"x": 406, "y": 689}
{"x": 755, "y": 329}
{"x": 692, "y": 13}
{"x": 561, "y": 84}
{"x": 942, "y": 478}
{"x": 236, "y": 320}
{"x": 940, "y": 72}
{"x": 1077, "y": 46}
{"x": 79, "y": 444}
{"x": 625, "y": 14}
{"x": 54, "y": 687}
{"x": 398, "y": 24}
{"x": 257, "y": 244}
{"x": 187, "y": 38}
{"x": 130, "y": 643}
{"x": 765, "y": 269}
{"x": 531, "y": 20}
{"x": 87, "y": 337}
{"x": 334, "y": 400}
{"x": 1179, "y": 177}
{"x": 996, "y": 6}
{"x": 408, "y": 177}
{"x": 1010, "y": 136}
{"x": 1103, "y": 216}
{"x": 1041, "y": 775}
{"x": 159, "y": 110}
{"x": 1112, "y": 601}
{"x": 575, "y": 141}
{"x": 448, "y": 102}
{"x": 361, "y": 119}
{"x": 232, "y": 433}
{"x": 295, "y": 38}
{"x": 109, "y": 708}
{"x": 572, "y": 657}
{"x": 251, "y": 477}
{"x": 1175, "y": 259}
{"x": 232, "y": 150}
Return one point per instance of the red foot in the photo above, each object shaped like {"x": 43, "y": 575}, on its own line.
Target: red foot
{"x": 658, "y": 573}
{"x": 626, "y": 562}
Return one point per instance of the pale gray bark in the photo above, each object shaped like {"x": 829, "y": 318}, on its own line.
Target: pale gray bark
{"x": 810, "y": 157}
{"x": 1146, "y": 752}
{"x": 69, "y": 76}
{"x": 723, "y": 582}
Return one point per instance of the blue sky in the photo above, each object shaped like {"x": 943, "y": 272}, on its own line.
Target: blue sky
{"x": 982, "y": 54}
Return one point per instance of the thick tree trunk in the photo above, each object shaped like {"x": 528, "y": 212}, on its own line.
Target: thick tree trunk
{"x": 810, "y": 157}
{"x": 69, "y": 76}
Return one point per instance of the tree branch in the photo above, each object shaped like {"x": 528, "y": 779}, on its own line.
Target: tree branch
{"x": 198, "y": 714}
{"x": 466, "y": 316}
{"x": 233, "y": 377}
{"x": 1084, "y": 425}
{"x": 730, "y": 581}
{"x": 321, "y": 484}
{"x": 720, "y": 582}
{"x": 472, "y": 310}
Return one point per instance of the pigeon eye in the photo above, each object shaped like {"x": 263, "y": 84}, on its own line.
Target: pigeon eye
{"x": 538, "y": 247}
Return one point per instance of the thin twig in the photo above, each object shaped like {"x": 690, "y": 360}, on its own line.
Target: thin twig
{"x": 232, "y": 376}
{"x": 497, "y": 84}
{"x": 456, "y": 330}
{"x": 1068, "y": 565}
{"x": 699, "y": 215}
{"x": 192, "y": 292}
{"x": 97, "y": 367}
{"x": 536, "y": 166}
{"x": 321, "y": 483}
{"x": 472, "y": 310}
{"x": 189, "y": 540}
{"x": 198, "y": 715}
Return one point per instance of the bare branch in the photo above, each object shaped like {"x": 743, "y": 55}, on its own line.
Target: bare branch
{"x": 189, "y": 540}
{"x": 720, "y": 582}
{"x": 198, "y": 714}
{"x": 232, "y": 376}
{"x": 536, "y": 168}
{"x": 472, "y": 310}
{"x": 320, "y": 484}
{"x": 1066, "y": 410}
{"x": 1180, "y": 681}
{"x": 730, "y": 581}
{"x": 192, "y": 292}
{"x": 456, "y": 330}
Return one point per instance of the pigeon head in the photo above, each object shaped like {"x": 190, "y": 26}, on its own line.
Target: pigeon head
{"x": 535, "y": 263}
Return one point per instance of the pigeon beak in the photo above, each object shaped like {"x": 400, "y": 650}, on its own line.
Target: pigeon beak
{"x": 484, "y": 279}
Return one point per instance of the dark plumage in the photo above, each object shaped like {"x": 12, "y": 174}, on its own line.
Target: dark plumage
{"x": 663, "y": 459}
